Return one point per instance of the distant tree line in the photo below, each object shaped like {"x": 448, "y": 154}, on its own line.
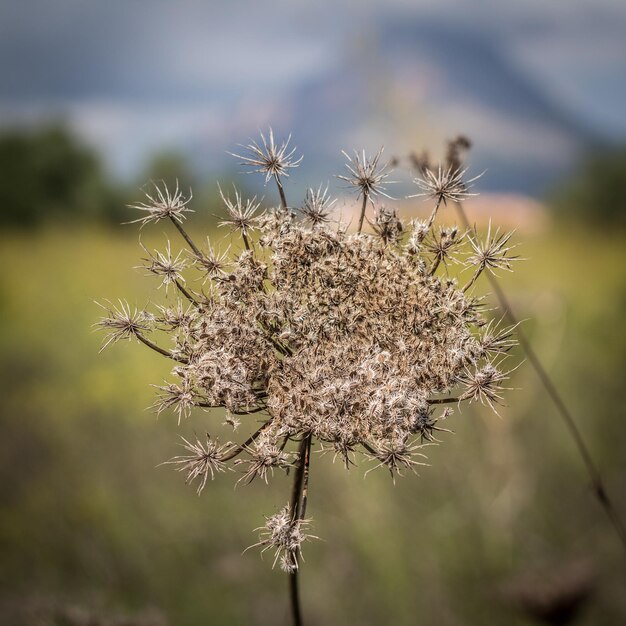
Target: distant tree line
{"x": 47, "y": 174}
{"x": 594, "y": 193}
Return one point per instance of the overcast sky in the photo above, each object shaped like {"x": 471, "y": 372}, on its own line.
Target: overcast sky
{"x": 133, "y": 75}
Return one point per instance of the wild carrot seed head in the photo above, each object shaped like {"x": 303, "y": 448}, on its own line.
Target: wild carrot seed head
{"x": 345, "y": 338}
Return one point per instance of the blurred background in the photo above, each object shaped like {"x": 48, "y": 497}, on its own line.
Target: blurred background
{"x": 98, "y": 98}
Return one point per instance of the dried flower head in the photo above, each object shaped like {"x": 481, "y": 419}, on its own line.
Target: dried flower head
{"x": 161, "y": 204}
{"x": 425, "y": 424}
{"x": 345, "y": 339}
{"x": 485, "y": 384}
{"x": 497, "y": 339}
{"x": 367, "y": 174}
{"x": 175, "y": 318}
{"x": 169, "y": 268}
{"x": 212, "y": 264}
{"x": 442, "y": 244}
{"x": 241, "y": 213}
{"x": 317, "y": 206}
{"x": 445, "y": 184}
{"x": 122, "y": 322}
{"x": 284, "y": 534}
{"x": 456, "y": 150}
{"x": 419, "y": 230}
{"x": 204, "y": 459}
{"x": 493, "y": 252}
{"x": 396, "y": 456}
{"x": 387, "y": 225}
{"x": 269, "y": 158}
{"x": 264, "y": 456}
{"x": 181, "y": 398}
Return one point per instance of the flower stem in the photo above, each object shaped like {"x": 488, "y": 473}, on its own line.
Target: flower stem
{"x": 363, "y": 207}
{"x": 594, "y": 474}
{"x": 435, "y": 265}
{"x": 239, "y": 449}
{"x": 443, "y": 400}
{"x": 153, "y": 346}
{"x": 281, "y": 192}
{"x": 298, "y": 508}
{"x": 294, "y": 596}
{"x": 433, "y": 215}
{"x": 187, "y": 238}
{"x": 185, "y": 293}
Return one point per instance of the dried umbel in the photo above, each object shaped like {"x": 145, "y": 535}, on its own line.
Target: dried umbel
{"x": 355, "y": 341}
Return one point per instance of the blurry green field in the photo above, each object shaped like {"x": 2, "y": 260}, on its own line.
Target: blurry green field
{"x": 88, "y": 519}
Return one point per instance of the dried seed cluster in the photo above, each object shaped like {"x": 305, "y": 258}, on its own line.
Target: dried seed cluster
{"x": 350, "y": 339}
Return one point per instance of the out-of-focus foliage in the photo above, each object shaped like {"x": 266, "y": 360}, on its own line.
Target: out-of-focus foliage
{"x": 47, "y": 174}
{"x": 171, "y": 168}
{"x": 594, "y": 193}
{"x": 88, "y": 520}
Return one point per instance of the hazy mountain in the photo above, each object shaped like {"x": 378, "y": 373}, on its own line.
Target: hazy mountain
{"x": 423, "y": 81}
{"x": 531, "y": 83}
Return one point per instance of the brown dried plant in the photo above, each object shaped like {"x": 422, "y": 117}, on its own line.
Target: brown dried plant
{"x": 456, "y": 151}
{"x": 357, "y": 341}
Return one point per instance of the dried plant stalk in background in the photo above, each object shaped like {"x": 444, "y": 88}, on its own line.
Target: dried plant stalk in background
{"x": 356, "y": 341}
{"x": 455, "y": 154}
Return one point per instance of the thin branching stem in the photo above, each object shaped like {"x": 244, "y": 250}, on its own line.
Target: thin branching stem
{"x": 368, "y": 448}
{"x": 163, "y": 351}
{"x": 435, "y": 266}
{"x": 366, "y": 196}
{"x": 246, "y": 444}
{"x": 443, "y": 400}
{"x": 246, "y": 241}
{"x": 207, "y": 405}
{"x": 281, "y": 192}
{"x": 433, "y": 215}
{"x": 474, "y": 278}
{"x": 187, "y": 238}
{"x": 186, "y": 293}
{"x": 599, "y": 488}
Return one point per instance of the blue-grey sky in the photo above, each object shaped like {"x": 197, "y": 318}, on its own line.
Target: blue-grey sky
{"x": 136, "y": 75}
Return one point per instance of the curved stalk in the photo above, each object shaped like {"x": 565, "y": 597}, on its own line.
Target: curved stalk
{"x": 185, "y": 293}
{"x": 599, "y": 488}
{"x": 163, "y": 351}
